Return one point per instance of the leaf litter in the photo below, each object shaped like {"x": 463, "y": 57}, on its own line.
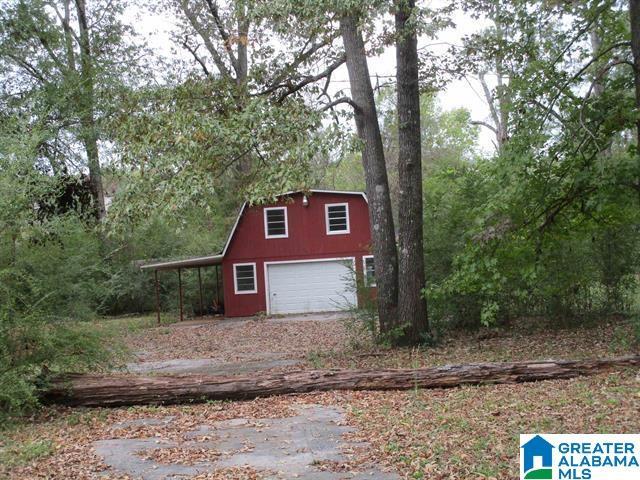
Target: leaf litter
{"x": 459, "y": 433}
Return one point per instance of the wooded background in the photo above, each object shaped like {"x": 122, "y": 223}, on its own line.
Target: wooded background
{"x": 111, "y": 152}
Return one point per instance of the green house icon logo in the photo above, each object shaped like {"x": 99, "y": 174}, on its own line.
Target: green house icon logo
{"x": 537, "y": 458}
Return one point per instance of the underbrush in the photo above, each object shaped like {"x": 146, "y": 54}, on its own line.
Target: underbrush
{"x": 35, "y": 344}
{"x": 135, "y": 322}
{"x": 20, "y": 453}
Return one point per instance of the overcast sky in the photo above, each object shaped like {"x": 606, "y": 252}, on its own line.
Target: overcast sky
{"x": 460, "y": 93}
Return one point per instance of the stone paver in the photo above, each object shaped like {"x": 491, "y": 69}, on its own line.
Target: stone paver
{"x": 286, "y": 448}
{"x": 121, "y": 455}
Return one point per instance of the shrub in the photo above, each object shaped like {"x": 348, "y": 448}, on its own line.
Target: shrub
{"x": 361, "y": 321}
{"x": 35, "y": 343}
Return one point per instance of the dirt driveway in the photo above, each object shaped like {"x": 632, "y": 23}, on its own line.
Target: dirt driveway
{"x": 276, "y": 438}
{"x": 230, "y": 346}
{"x": 220, "y": 346}
{"x": 332, "y": 435}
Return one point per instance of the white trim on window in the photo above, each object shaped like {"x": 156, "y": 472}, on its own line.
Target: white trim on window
{"x": 235, "y": 279}
{"x": 286, "y": 223}
{"x": 364, "y": 271}
{"x": 326, "y": 218}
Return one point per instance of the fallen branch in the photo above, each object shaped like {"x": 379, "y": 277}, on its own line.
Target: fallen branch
{"x": 121, "y": 390}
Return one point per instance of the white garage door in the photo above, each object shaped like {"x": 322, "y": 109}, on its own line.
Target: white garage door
{"x": 317, "y": 286}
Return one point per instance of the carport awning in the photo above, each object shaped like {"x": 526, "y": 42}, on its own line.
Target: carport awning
{"x": 193, "y": 262}
{"x": 185, "y": 263}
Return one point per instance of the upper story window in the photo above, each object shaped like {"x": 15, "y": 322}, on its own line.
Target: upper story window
{"x": 244, "y": 278}
{"x": 369, "y": 271}
{"x": 275, "y": 222}
{"x": 337, "y": 218}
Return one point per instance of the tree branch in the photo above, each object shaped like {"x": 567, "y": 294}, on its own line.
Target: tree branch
{"x": 555, "y": 114}
{"x": 339, "y": 101}
{"x": 581, "y": 32}
{"x": 31, "y": 70}
{"x": 293, "y": 88}
{"x": 484, "y": 124}
{"x": 45, "y": 43}
{"x": 217, "y": 59}
{"x": 578, "y": 74}
{"x": 302, "y": 57}
{"x": 215, "y": 13}
{"x": 194, "y": 54}
{"x": 65, "y": 22}
{"x": 490, "y": 101}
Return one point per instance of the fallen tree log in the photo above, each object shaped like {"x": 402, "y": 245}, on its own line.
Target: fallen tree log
{"x": 122, "y": 390}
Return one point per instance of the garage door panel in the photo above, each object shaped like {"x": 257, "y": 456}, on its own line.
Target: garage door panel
{"x": 310, "y": 286}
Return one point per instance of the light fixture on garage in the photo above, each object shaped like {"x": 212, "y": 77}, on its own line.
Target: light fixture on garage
{"x": 305, "y": 201}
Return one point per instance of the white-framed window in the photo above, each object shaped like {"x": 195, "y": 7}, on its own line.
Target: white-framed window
{"x": 244, "y": 278}
{"x": 276, "y": 222}
{"x": 337, "y": 218}
{"x": 369, "y": 270}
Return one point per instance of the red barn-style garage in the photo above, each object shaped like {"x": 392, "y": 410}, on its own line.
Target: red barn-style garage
{"x": 297, "y": 255}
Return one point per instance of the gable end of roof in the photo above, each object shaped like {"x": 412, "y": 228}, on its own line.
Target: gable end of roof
{"x": 245, "y": 204}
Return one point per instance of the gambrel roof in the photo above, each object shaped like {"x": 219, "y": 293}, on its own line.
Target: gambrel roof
{"x": 217, "y": 259}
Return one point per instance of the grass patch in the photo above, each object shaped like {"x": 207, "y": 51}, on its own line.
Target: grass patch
{"x": 135, "y": 323}
{"x": 14, "y": 454}
{"x": 316, "y": 360}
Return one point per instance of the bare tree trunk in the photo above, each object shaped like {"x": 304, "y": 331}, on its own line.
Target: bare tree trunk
{"x": 68, "y": 35}
{"x": 89, "y": 132}
{"x": 596, "y": 43}
{"x": 243, "y": 43}
{"x": 412, "y": 306}
{"x": 634, "y": 18}
{"x": 501, "y": 93}
{"x": 377, "y": 185}
{"x": 499, "y": 100}
{"x": 91, "y": 390}
{"x": 242, "y": 71}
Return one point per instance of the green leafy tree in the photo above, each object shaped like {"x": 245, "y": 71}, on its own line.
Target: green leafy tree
{"x": 61, "y": 62}
{"x": 538, "y": 238}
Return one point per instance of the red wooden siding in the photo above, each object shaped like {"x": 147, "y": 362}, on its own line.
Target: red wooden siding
{"x": 307, "y": 240}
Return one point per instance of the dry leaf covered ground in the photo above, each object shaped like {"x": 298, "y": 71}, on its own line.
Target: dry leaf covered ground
{"x": 237, "y": 340}
{"x": 460, "y": 433}
{"x": 524, "y": 341}
{"x": 473, "y": 432}
{"x": 329, "y": 343}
